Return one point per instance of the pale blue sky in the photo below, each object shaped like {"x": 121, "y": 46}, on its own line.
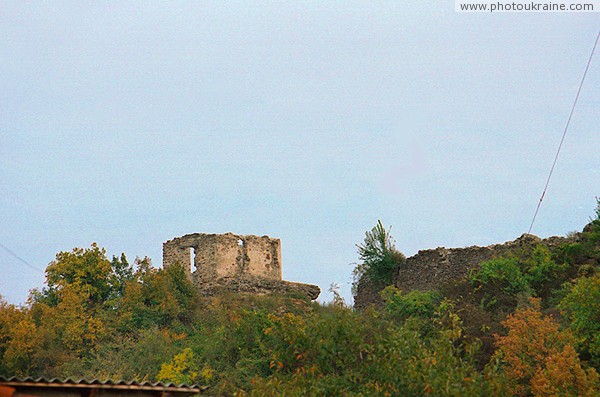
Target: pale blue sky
{"x": 129, "y": 123}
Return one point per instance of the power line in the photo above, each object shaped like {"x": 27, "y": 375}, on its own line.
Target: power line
{"x": 21, "y": 259}
{"x": 587, "y": 67}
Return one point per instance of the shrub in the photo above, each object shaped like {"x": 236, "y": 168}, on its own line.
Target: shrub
{"x": 586, "y": 248}
{"x": 335, "y": 351}
{"x": 529, "y": 271}
{"x": 503, "y": 272}
{"x": 413, "y": 303}
{"x": 539, "y": 267}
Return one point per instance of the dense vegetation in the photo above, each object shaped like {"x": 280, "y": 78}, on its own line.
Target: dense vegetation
{"x": 524, "y": 324}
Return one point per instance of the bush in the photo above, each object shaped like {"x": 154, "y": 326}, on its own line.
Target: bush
{"x": 586, "y": 248}
{"x": 505, "y": 273}
{"x": 182, "y": 369}
{"x": 539, "y": 267}
{"x": 415, "y": 303}
{"x": 335, "y": 351}
{"x": 529, "y": 271}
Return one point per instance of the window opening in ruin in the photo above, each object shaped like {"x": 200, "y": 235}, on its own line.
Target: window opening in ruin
{"x": 192, "y": 259}
{"x": 240, "y": 242}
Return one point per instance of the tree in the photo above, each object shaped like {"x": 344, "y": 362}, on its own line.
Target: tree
{"x": 121, "y": 273}
{"x": 18, "y": 340}
{"x": 538, "y": 357}
{"x": 86, "y": 270}
{"x": 155, "y": 296}
{"x": 380, "y": 258}
{"x": 181, "y": 370}
{"x": 581, "y": 306}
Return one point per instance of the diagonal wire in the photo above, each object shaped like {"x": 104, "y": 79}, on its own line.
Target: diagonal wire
{"x": 21, "y": 259}
{"x": 564, "y": 132}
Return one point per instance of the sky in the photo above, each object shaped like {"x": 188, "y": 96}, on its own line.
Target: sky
{"x": 129, "y": 123}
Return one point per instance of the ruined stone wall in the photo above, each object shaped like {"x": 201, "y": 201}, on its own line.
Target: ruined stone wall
{"x": 429, "y": 269}
{"x": 225, "y": 263}
{"x": 211, "y": 256}
{"x": 432, "y": 268}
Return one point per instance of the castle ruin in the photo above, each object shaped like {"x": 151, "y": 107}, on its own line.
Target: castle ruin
{"x": 211, "y": 256}
{"x": 432, "y": 268}
{"x": 239, "y": 263}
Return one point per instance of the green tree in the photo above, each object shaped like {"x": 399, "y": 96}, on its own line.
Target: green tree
{"x": 155, "y": 297}
{"x": 380, "y": 258}
{"x": 521, "y": 273}
{"x": 581, "y": 306}
{"x": 85, "y": 270}
{"x": 121, "y": 273}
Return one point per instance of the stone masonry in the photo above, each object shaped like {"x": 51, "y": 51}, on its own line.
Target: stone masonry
{"x": 217, "y": 262}
{"x": 432, "y": 268}
{"x": 429, "y": 269}
{"x": 212, "y": 256}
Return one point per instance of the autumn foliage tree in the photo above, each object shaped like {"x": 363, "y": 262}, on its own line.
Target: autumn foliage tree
{"x": 109, "y": 319}
{"x": 18, "y": 339}
{"x": 539, "y": 359}
{"x": 93, "y": 310}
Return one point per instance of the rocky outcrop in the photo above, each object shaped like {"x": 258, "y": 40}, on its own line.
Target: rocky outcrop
{"x": 256, "y": 285}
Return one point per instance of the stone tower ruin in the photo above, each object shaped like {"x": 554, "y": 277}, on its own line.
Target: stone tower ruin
{"x": 213, "y": 256}
{"x": 232, "y": 262}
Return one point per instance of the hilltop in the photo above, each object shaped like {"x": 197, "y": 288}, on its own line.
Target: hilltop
{"x": 519, "y": 318}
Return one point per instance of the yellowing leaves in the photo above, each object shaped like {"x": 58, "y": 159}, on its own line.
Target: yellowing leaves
{"x": 562, "y": 375}
{"x": 181, "y": 369}
{"x": 539, "y": 358}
